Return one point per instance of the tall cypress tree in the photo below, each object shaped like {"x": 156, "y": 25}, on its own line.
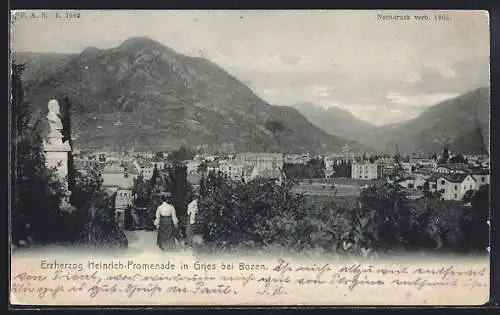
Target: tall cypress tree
{"x": 66, "y": 134}
{"x": 181, "y": 190}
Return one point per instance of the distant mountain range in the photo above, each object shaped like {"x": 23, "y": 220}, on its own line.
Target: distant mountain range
{"x": 336, "y": 121}
{"x": 145, "y": 95}
{"x": 461, "y": 123}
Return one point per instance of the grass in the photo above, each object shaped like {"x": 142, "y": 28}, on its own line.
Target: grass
{"x": 317, "y": 202}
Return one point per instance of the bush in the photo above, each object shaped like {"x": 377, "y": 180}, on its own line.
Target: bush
{"x": 104, "y": 230}
{"x": 474, "y": 223}
{"x": 96, "y": 224}
{"x": 260, "y": 212}
{"x": 263, "y": 214}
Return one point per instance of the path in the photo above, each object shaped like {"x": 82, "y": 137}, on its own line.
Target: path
{"x": 145, "y": 242}
{"x": 140, "y": 239}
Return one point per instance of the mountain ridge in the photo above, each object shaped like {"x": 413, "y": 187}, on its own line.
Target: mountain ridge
{"x": 144, "y": 94}
{"x": 336, "y": 121}
{"x": 456, "y": 122}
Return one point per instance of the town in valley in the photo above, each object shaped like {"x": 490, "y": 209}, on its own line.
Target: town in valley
{"x": 345, "y": 173}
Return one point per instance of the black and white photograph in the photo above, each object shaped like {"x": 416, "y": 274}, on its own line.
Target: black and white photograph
{"x": 275, "y": 157}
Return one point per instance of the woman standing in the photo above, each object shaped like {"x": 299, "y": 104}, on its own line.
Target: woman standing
{"x": 192, "y": 210}
{"x": 166, "y": 221}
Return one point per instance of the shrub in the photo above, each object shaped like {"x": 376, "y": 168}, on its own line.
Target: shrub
{"x": 263, "y": 214}
{"x": 259, "y": 212}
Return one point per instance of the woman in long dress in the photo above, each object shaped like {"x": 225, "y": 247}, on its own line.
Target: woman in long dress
{"x": 166, "y": 221}
{"x": 192, "y": 210}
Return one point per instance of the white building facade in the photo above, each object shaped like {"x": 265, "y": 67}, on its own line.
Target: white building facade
{"x": 364, "y": 171}
{"x": 454, "y": 187}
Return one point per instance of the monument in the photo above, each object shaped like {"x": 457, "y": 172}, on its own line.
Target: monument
{"x": 57, "y": 152}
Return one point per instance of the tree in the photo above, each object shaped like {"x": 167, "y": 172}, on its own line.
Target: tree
{"x": 203, "y": 167}
{"x": 86, "y": 192}
{"x": 203, "y": 184}
{"x": 476, "y": 229}
{"x": 180, "y": 189}
{"x": 398, "y": 170}
{"x": 342, "y": 169}
{"x": 426, "y": 188}
{"x": 36, "y": 190}
{"x": 140, "y": 192}
{"x": 382, "y": 220}
{"x": 314, "y": 168}
{"x": 258, "y": 213}
{"x": 182, "y": 154}
{"x": 66, "y": 133}
{"x": 96, "y": 224}
{"x": 104, "y": 228}
{"x": 159, "y": 156}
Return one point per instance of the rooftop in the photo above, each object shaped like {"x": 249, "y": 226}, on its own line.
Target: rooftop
{"x": 117, "y": 180}
{"x": 455, "y": 166}
{"x": 113, "y": 168}
{"x": 453, "y": 178}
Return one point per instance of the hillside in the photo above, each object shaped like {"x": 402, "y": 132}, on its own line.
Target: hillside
{"x": 336, "y": 121}
{"x": 461, "y": 122}
{"x": 145, "y": 95}
{"x": 40, "y": 65}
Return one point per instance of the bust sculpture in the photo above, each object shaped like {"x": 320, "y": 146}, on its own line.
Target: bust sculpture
{"x": 55, "y": 124}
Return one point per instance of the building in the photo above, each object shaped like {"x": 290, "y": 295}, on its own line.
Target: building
{"x": 213, "y": 166}
{"x": 385, "y": 166}
{"x": 144, "y": 168}
{"x": 413, "y": 182}
{"x": 209, "y": 157}
{"x": 482, "y": 177}
{"x": 248, "y": 172}
{"x": 123, "y": 199}
{"x": 262, "y": 161}
{"x": 114, "y": 178}
{"x": 364, "y": 170}
{"x": 192, "y": 166}
{"x": 146, "y": 155}
{"x": 329, "y": 172}
{"x": 159, "y": 165}
{"x": 453, "y": 168}
{"x": 408, "y": 167}
{"x": 231, "y": 169}
{"x": 346, "y": 151}
{"x": 416, "y": 160}
{"x": 274, "y": 174}
{"x": 331, "y": 160}
{"x": 452, "y": 186}
{"x": 297, "y": 158}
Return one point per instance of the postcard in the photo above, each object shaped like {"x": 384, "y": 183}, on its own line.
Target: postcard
{"x": 249, "y": 157}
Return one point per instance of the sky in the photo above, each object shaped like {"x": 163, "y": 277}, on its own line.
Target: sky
{"x": 383, "y": 71}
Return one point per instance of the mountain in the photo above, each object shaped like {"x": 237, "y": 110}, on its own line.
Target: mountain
{"x": 39, "y": 65}
{"x": 462, "y": 123}
{"x": 145, "y": 95}
{"x": 336, "y": 121}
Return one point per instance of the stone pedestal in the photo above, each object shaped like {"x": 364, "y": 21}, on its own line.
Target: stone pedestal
{"x": 57, "y": 155}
